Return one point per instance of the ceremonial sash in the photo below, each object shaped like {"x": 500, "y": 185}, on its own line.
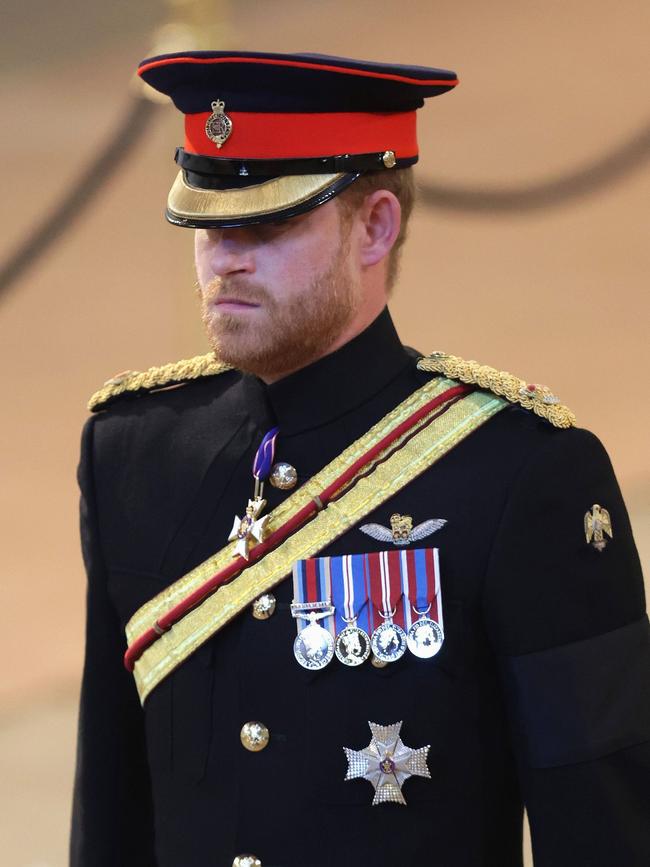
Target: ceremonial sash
{"x": 415, "y": 439}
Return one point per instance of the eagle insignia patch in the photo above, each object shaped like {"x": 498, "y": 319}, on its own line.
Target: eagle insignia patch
{"x": 597, "y": 523}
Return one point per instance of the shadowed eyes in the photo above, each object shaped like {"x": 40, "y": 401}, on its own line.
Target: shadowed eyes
{"x": 265, "y": 231}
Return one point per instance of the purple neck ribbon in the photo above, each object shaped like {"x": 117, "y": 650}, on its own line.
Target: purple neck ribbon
{"x": 264, "y": 455}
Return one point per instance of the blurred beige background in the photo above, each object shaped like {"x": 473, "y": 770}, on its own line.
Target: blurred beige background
{"x": 556, "y": 295}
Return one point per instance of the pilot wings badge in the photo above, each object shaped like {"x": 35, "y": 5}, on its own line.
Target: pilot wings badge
{"x": 402, "y": 531}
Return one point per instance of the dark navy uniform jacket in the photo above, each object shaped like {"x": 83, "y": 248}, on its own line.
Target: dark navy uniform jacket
{"x": 538, "y": 697}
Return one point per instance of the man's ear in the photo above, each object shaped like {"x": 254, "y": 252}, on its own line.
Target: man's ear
{"x": 381, "y": 217}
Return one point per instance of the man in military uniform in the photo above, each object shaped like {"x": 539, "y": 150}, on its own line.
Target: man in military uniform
{"x": 374, "y": 602}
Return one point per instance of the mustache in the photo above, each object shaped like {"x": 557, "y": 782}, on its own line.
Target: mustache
{"x": 223, "y": 287}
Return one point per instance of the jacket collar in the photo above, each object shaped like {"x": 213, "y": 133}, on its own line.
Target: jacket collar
{"x": 332, "y": 386}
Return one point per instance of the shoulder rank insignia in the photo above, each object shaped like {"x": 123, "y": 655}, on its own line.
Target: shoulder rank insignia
{"x": 402, "y": 531}
{"x": 177, "y": 372}
{"x": 537, "y": 398}
{"x": 597, "y": 523}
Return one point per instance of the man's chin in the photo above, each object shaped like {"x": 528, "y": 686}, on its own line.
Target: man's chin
{"x": 235, "y": 335}
{"x": 256, "y": 354}
{"x": 243, "y": 348}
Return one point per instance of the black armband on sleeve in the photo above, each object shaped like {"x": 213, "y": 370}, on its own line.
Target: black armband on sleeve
{"x": 581, "y": 701}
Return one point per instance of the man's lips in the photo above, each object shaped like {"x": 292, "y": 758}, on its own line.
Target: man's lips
{"x": 232, "y": 303}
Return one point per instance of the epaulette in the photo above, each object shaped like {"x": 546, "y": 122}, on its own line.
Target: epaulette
{"x": 537, "y": 398}
{"x": 163, "y": 376}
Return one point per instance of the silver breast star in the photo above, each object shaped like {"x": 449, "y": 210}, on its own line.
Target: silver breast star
{"x": 249, "y": 529}
{"x": 387, "y": 763}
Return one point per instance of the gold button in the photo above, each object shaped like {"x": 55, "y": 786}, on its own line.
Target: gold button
{"x": 388, "y": 159}
{"x": 283, "y": 476}
{"x": 264, "y": 606}
{"x": 254, "y": 736}
{"x": 378, "y": 663}
{"x": 246, "y": 861}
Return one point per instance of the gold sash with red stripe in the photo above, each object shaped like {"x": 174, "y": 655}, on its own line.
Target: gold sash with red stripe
{"x": 407, "y": 457}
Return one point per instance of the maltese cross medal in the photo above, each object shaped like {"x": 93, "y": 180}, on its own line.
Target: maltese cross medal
{"x": 387, "y": 763}
{"x": 249, "y": 529}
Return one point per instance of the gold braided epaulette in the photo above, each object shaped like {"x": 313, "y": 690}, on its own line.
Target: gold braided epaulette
{"x": 156, "y": 377}
{"x": 538, "y": 398}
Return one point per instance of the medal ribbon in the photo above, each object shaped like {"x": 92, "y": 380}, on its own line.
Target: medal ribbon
{"x": 385, "y": 584}
{"x": 421, "y": 583}
{"x": 352, "y": 581}
{"x": 348, "y": 584}
{"x": 349, "y": 590}
{"x": 312, "y": 583}
{"x": 263, "y": 460}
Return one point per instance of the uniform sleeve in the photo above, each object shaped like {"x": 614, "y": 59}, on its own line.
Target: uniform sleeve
{"x": 112, "y": 814}
{"x": 568, "y": 624}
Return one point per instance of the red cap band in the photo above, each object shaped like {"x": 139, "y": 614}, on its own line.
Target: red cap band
{"x": 261, "y": 135}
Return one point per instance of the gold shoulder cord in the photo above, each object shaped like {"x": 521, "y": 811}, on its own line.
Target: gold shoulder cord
{"x": 537, "y": 398}
{"x": 532, "y": 396}
{"x": 157, "y": 377}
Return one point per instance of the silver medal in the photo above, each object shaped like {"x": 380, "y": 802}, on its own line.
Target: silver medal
{"x": 388, "y": 641}
{"x": 424, "y": 638}
{"x": 313, "y": 646}
{"x": 352, "y": 645}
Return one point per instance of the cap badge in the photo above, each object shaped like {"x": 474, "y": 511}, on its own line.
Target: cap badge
{"x": 387, "y": 763}
{"x": 218, "y": 126}
{"x": 402, "y": 531}
{"x": 597, "y": 523}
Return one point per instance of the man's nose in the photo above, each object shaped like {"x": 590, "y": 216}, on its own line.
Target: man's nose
{"x": 229, "y": 252}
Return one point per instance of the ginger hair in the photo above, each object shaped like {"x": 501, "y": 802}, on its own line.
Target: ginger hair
{"x": 401, "y": 183}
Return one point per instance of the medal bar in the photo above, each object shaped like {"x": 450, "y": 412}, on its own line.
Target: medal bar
{"x": 421, "y": 583}
{"x": 388, "y": 640}
{"x": 352, "y": 646}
